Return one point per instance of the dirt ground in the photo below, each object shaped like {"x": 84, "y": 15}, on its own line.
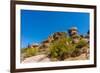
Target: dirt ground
{"x": 44, "y": 58}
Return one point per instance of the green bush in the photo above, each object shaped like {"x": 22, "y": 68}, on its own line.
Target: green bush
{"x": 60, "y": 50}
{"x": 81, "y": 44}
{"x": 23, "y": 50}
{"x": 30, "y": 52}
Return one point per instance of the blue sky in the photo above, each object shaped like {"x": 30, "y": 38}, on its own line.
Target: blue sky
{"x": 36, "y": 26}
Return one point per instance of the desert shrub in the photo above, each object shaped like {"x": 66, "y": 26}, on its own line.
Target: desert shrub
{"x": 60, "y": 50}
{"x": 30, "y": 52}
{"x": 23, "y": 50}
{"x": 81, "y": 44}
{"x": 76, "y": 52}
{"x": 78, "y": 48}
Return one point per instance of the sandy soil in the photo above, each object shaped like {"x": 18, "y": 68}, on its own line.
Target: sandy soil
{"x": 37, "y": 58}
{"x": 44, "y": 58}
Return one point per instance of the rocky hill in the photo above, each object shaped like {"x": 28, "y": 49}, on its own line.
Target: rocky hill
{"x": 59, "y": 46}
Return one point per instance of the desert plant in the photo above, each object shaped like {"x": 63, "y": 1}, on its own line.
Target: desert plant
{"x": 76, "y": 52}
{"x": 78, "y": 47}
{"x": 81, "y": 44}
{"x": 28, "y": 52}
{"x": 60, "y": 50}
{"x": 23, "y": 50}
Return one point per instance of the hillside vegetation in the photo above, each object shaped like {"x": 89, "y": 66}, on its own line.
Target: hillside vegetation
{"x": 60, "y": 46}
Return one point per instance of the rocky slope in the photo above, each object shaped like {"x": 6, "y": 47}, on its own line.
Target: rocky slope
{"x": 60, "y": 46}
